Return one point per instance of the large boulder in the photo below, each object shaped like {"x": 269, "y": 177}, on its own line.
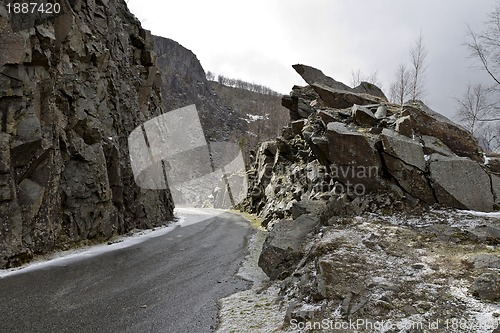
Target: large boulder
{"x": 487, "y": 286}
{"x": 407, "y": 150}
{"x": 428, "y": 122}
{"x": 313, "y": 75}
{"x": 354, "y": 156}
{"x": 363, "y": 116}
{"x": 460, "y": 182}
{"x": 333, "y": 93}
{"x": 340, "y": 99}
{"x": 370, "y": 89}
{"x": 404, "y": 160}
{"x": 284, "y": 245}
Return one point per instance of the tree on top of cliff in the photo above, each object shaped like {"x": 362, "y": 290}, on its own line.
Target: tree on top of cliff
{"x": 238, "y": 83}
{"x": 479, "y": 106}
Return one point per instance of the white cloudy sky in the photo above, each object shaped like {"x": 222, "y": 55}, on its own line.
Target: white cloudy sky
{"x": 259, "y": 40}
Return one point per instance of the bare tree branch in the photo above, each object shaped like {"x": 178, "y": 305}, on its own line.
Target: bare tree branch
{"x": 357, "y": 77}
{"x": 480, "y": 51}
{"x": 400, "y": 88}
{"x": 418, "y": 55}
{"x": 475, "y": 108}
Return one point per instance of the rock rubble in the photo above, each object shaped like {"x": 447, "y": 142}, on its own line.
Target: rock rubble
{"x": 350, "y": 193}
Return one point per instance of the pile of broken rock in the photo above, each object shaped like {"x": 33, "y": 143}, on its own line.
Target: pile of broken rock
{"x": 353, "y": 194}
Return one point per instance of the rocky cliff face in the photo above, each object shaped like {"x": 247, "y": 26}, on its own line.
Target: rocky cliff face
{"x": 72, "y": 88}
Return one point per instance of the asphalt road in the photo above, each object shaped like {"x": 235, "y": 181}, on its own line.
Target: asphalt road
{"x": 170, "y": 283}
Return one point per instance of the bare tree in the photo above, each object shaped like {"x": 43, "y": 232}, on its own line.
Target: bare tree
{"x": 475, "y": 107}
{"x": 400, "y": 88}
{"x": 238, "y": 83}
{"x": 210, "y": 76}
{"x": 418, "y": 54}
{"x": 485, "y": 46}
{"x": 479, "y": 107}
{"x": 357, "y": 77}
{"x": 489, "y": 137}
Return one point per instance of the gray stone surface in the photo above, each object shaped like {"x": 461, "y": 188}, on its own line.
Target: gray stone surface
{"x": 381, "y": 112}
{"x": 433, "y": 145}
{"x": 493, "y": 163}
{"x": 300, "y": 208}
{"x": 428, "y": 122}
{"x": 340, "y": 99}
{"x": 370, "y": 89}
{"x": 284, "y": 245}
{"x": 404, "y": 126}
{"x": 312, "y": 75}
{"x": 353, "y": 155}
{"x": 461, "y": 180}
{"x": 363, "y": 116}
{"x": 410, "y": 178}
{"x": 487, "y": 234}
{"x": 484, "y": 260}
{"x": 409, "y": 151}
{"x": 487, "y": 286}
{"x": 495, "y": 187}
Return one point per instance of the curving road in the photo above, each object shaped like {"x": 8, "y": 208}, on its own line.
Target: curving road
{"x": 170, "y": 283}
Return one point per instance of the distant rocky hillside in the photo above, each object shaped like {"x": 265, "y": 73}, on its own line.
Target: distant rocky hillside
{"x": 72, "y": 88}
{"x": 263, "y": 114}
{"x": 227, "y": 114}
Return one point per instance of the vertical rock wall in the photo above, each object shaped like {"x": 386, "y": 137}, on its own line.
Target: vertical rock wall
{"x": 72, "y": 88}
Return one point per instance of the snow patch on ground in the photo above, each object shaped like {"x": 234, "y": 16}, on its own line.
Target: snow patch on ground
{"x": 481, "y": 316}
{"x": 253, "y": 118}
{"x": 257, "y": 309}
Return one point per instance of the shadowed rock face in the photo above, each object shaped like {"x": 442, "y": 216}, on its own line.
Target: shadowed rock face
{"x": 427, "y": 122}
{"x": 71, "y": 90}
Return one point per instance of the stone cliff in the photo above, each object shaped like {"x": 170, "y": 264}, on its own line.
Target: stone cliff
{"x": 72, "y": 88}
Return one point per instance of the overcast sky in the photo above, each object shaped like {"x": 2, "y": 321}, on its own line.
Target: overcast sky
{"x": 259, "y": 40}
